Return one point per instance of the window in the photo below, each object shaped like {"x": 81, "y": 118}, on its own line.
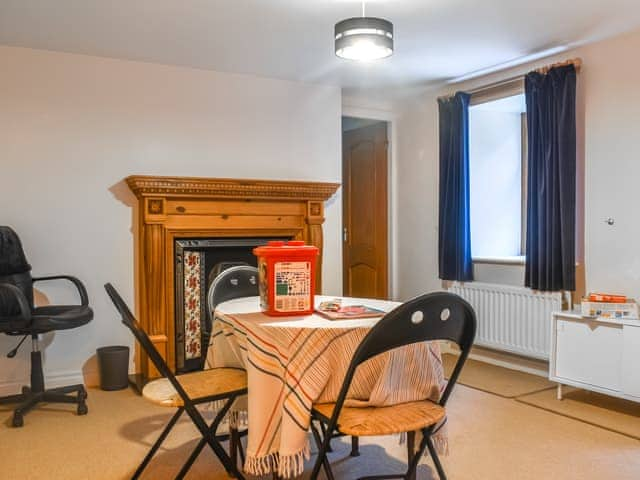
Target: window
{"x": 497, "y": 172}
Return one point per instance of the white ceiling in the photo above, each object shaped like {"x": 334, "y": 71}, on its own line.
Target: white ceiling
{"x": 292, "y": 39}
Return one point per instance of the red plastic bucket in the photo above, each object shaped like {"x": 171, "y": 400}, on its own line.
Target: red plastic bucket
{"x": 287, "y": 277}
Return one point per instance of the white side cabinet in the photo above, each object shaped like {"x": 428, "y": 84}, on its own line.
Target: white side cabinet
{"x": 598, "y": 354}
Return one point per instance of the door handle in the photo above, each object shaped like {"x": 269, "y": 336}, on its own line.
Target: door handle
{"x": 345, "y": 234}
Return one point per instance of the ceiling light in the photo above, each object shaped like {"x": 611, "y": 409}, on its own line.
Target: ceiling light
{"x": 364, "y": 38}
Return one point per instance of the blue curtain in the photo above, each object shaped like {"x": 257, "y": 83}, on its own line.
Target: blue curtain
{"x": 551, "y": 194}
{"x": 454, "y": 242}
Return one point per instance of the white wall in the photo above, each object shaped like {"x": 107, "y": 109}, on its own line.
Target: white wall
{"x": 72, "y": 127}
{"x": 417, "y": 199}
{"x": 608, "y": 111}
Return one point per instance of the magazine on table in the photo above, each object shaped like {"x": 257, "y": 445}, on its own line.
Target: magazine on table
{"x": 334, "y": 310}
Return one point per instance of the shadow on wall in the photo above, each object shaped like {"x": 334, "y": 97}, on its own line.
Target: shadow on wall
{"x": 40, "y": 298}
{"x": 90, "y": 372}
{"x": 123, "y": 194}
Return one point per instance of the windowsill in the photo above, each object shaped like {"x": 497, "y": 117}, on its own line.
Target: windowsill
{"x": 515, "y": 260}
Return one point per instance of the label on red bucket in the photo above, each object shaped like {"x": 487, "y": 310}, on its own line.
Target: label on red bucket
{"x": 293, "y": 286}
{"x": 287, "y": 277}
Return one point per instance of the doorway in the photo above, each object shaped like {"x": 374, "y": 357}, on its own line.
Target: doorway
{"x": 365, "y": 208}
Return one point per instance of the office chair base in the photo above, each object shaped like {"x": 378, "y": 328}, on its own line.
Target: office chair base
{"x": 29, "y": 399}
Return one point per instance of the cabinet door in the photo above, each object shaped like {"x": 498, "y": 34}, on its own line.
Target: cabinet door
{"x": 589, "y": 352}
{"x": 630, "y": 361}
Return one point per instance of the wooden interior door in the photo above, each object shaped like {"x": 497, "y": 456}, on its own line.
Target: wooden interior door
{"x": 364, "y": 180}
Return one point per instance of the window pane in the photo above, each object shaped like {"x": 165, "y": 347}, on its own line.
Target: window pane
{"x": 495, "y": 161}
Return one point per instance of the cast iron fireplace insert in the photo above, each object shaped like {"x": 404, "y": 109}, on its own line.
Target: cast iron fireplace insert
{"x": 197, "y": 262}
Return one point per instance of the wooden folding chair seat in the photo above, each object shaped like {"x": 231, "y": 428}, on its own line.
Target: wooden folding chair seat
{"x": 372, "y": 421}
{"x": 197, "y": 385}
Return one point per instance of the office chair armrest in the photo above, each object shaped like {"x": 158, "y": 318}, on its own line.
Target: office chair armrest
{"x": 23, "y": 304}
{"x": 84, "y": 298}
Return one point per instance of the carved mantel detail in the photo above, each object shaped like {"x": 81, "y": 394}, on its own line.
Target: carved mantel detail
{"x": 173, "y": 207}
{"x": 142, "y": 185}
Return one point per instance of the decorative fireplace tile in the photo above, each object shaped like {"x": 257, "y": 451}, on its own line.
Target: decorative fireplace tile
{"x": 193, "y": 273}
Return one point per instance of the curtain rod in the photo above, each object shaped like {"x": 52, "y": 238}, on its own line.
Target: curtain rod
{"x": 576, "y": 62}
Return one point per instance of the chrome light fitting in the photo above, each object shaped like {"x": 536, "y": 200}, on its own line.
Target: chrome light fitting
{"x": 364, "y": 38}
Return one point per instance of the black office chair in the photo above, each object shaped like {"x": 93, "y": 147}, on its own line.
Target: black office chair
{"x": 430, "y": 317}
{"x": 19, "y": 317}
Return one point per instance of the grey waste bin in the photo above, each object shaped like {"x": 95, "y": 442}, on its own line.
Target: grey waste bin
{"x": 113, "y": 363}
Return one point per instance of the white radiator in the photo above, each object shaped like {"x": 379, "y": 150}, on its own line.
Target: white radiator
{"x": 512, "y": 319}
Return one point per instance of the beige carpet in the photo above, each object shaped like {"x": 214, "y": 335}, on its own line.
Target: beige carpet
{"x": 612, "y": 413}
{"x": 497, "y": 380}
{"x": 490, "y": 438}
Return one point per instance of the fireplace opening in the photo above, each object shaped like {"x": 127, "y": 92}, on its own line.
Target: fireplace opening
{"x": 197, "y": 262}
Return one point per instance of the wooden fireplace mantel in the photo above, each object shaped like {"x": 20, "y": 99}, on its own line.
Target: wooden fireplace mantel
{"x": 169, "y": 208}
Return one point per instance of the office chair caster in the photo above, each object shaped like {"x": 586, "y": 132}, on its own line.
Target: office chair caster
{"x": 18, "y": 420}
{"x": 82, "y": 406}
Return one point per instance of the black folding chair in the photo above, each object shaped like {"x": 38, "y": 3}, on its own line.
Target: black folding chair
{"x": 236, "y": 281}
{"x": 185, "y": 392}
{"x": 430, "y": 317}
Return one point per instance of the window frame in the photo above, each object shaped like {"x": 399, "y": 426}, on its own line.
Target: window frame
{"x": 489, "y": 94}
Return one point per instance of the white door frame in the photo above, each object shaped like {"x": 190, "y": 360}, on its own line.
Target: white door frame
{"x": 391, "y": 119}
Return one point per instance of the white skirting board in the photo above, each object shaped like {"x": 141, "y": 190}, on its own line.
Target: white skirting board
{"x": 502, "y": 359}
{"x": 58, "y": 379}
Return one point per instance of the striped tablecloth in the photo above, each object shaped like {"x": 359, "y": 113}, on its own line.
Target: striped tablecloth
{"x": 293, "y": 362}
